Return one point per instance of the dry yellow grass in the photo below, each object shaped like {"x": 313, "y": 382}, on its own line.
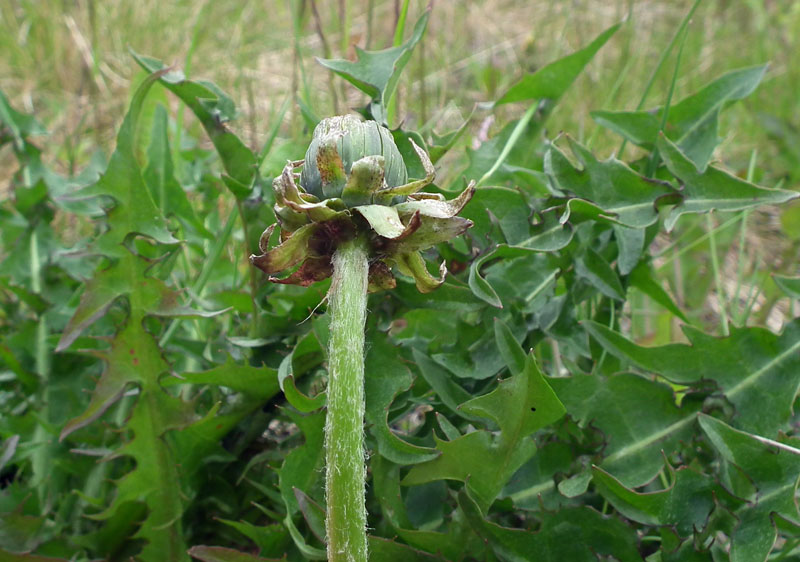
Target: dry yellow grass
{"x": 69, "y": 62}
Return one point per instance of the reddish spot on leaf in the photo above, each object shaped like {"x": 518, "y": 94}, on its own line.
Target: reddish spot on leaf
{"x": 456, "y": 266}
{"x": 132, "y": 351}
{"x": 135, "y": 360}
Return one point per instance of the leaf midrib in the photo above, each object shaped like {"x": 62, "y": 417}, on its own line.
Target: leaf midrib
{"x": 753, "y": 378}
{"x": 649, "y": 440}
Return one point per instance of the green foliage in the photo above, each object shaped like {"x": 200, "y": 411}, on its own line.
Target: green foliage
{"x": 752, "y": 367}
{"x": 519, "y": 406}
{"x": 160, "y": 401}
{"x": 552, "y": 80}
{"x": 376, "y": 73}
{"x": 692, "y": 123}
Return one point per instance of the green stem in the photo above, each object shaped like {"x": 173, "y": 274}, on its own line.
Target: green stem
{"x": 251, "y": 271}
{"x": 344, "y": 426}
{"x": 622, "y": 75}
{"x": 370, "y": 20}
{"x": 664, "y": 54}
{"x": 42, "y": 456}
{"x": 346, "y": 15}
{"x": 205, "y": 273}
{"x": 743, "y": 241}
{"x": 510, "y": 143}
{"x": 328, "y": 53}
{"x": 187, "y": 70}
{"x": 298, "y": 69}
{"x": 694, "y": 243}
{"x": 653, "y": 162}
{"x": 42, "y": 351}
{"x": 273, "y": 133}
{"x": 723, "y": 314}
{"x": 599, "y": 363}
{"x": 399, "y": 30}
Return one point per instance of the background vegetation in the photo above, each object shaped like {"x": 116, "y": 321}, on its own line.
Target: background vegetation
{"x": 69, "y": 64}
{"x": 69, "y": 61}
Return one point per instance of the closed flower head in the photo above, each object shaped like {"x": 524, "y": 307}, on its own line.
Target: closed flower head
{"x": 354, "y": 182}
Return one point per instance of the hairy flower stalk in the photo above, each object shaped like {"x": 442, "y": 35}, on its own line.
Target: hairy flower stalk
{"x": 345, "y": 476}
{"x": 353, "y": 214}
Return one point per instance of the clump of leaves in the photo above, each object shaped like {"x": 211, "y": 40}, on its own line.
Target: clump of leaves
{"x": 513, "y": 413}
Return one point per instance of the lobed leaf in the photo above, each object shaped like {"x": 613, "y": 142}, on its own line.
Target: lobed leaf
{"x": 260, "y": 383}
{"x": 135, "y": 211}
{"x": 684, "y": 506}
{"x": 222, "y": 554}
{"x": 376, "y": 73}
{"x": 385, "y": 378}
{"x": 520, "y": 406}
{"x": 712, "y": 189}
{"x": 637, "y": 417}
{"x": 213, "y": 108}
{"x": 126, "y": 278}
{"x": 614, "y": 187}
{"x": 133, "y": 357}
{"x": 578, "y": 533}
{"x": 693, "y": 122}
{"x": 773, "y": 469}
{"x": 754, "y": 368}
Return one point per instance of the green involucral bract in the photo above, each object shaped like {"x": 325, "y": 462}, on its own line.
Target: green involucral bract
{"x": 354, "y": 183}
